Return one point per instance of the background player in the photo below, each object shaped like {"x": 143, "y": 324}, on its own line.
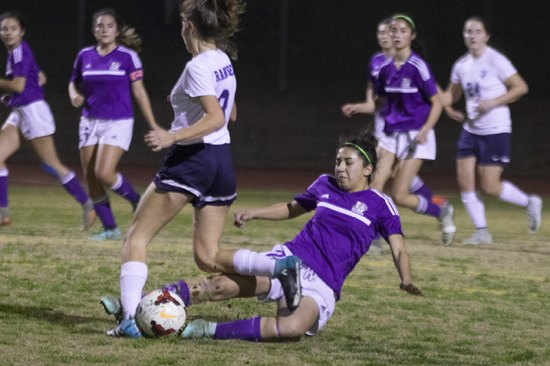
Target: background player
{"x": 31, "y": 118}
{"x": 103, "y": 80}
{"x": 489, "y": 82}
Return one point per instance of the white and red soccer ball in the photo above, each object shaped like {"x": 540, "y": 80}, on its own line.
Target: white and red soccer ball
{"x": 160, "y": 313}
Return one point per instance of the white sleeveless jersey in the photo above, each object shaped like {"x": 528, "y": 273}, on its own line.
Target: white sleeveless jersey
{"x": 483, "y": 79}
{"x": 209, "y": 73}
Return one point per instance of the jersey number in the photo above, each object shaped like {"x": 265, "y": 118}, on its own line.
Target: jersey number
{"x": 472, "y": 90}
{"x": 224, "y": 99}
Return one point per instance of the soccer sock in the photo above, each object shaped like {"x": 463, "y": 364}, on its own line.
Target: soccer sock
{"x": 132, "y": 280}
{"x": 475, "y": 208}
{"x": 123, "y": 188}
{"x": 245, "y": 329}
{"x": 102, "y": 208}
{"x": 420, "y": 189}
{"x": 512, "y": 194}
{"x": 72, "y": 185}
{"x": 182, "y": 289}
{"x": 4, "y": 187}
{"x": 247, "y": 262}
{"x": 427, "y": 207}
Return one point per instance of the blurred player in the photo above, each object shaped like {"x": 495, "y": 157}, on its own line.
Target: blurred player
{"x": 198, "y": 168}
{"x": 489, "y": 83}
{"x": 409, "y": 103}
{"x": 103, "y": 80}
{"x": 31, "y": 118}
{"x": 383, "y": 36}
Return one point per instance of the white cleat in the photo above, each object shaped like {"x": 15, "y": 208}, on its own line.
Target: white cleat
{"x": 480, "y": 237}
{"x": 447, "y": 223}
{"x": 534, "y": 213}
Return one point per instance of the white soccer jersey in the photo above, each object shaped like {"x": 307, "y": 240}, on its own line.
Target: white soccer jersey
{"x": 209, "y": 73}
{"x": 483, "y": 79}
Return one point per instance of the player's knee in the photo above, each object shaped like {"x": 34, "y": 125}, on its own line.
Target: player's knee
{"x": 490, "y": 188}
{"x": 291, "y": 331}
{"x": 207, "y": 264}
{"x": 106, "y": 178}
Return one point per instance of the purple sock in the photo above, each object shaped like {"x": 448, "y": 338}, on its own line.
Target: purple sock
{"x": 424, "y": 191}
{"x": 182, "y": 289}
{"x": 123, "y": 188}
{"x": 433, "y": 209}
{"x": 103, "y": 210}
{"x": 245, "y": 329}
{"x": 3, "y": 187}
{"x": 72, "y": 185}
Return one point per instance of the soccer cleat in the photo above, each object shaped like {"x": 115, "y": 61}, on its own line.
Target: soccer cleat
{"x": 88, "y": 215}
{"x": 287, "y": 271}
{"x": 534, "y": 213}
{"x": 481, "y": 236}
{"x": 447, "y": 224}
{"x": 112, "y": 306}
{"x": 5, "y": 218}
{"x": 199, "y": 328}
{"x": 125, "y": 329}
{"x": 107, "y": 234}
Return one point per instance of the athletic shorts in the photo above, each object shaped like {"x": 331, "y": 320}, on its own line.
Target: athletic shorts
{"x": 115, "y": 132}
{"x": 33, "y": 120}
{"x": 203, "y": 170}
{"x": 312, "y": 286}
{"x": 487, "y": 149}
{"x": 399, "y": 143}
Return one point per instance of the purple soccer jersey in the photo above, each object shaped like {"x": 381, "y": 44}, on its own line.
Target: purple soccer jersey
{"x": 408, "y": 92}
{"x": 376, "y": 62}
{"x": 106, "y": 81}
{"x": 21, "y": 63}
{"x": 342, "y": 228}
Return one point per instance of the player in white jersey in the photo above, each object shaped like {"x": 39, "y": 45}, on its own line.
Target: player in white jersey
{"x": 489, "y": 82}
{"x": 198, "y": 168}
{"x": 104, "y": 78}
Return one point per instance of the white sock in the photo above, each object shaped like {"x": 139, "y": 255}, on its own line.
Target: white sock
{"x": 422, "y": 204}
{"x": 118, "y": 182}
{"x": 250, "y": 263}
{"x": 512, "y": 194}
{"x": 475, "y": 208}
{"x": 416, "y": 183}
{"x": 132, "y": 280}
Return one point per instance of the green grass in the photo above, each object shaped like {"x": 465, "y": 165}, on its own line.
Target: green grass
{"x": 483, "y": 306}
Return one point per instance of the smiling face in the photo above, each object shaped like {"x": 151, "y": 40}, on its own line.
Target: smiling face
{"x": 106, "y": 30}
{"x": 475, "y": 35}
{"x": 350, "y": 170}
{"x": 402, "y": 34}
{"x": 11, "y": 32}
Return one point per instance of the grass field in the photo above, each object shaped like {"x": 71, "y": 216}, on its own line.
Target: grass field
{"x": 483, "y": 306}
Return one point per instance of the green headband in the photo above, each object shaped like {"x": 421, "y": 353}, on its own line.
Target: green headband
{"x": 360, "y": 149}
{"x": 406, "y": 18}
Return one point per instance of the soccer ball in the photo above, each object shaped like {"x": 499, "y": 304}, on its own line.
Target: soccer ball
{"x": 160, "y": 313}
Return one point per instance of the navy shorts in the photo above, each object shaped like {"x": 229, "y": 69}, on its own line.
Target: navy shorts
{"x": 487, "y": 149}
{"x": 203, "y": 170}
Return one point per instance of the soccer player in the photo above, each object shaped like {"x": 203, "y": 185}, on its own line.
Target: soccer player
{"x": 489, "y": 82}
{"x": 103, "y": 80}
{"x": 198, "y": 168}
{"x": 387, "y": 51}
{"x": 408, "y": 100}
{"x": 31, "y": 118}
{"x": 348, "y": 215}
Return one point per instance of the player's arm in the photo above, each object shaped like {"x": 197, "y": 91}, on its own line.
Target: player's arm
{"x": 517, "y": 87}
{"x": 142, "y": 99}
{"x": 401, "y": 261}
{"x": 76, "y": 98}
{"x": 212, "y": 120}
{"x": 433, "y": 117}
{"x": 233, "y": 115}
{"x": 42, "y": 79}
{"x": 450, "y": 97}
{"x": 278, "y": 211}
{"x": 17, "y": 85}
{"x": 366, "y": 107}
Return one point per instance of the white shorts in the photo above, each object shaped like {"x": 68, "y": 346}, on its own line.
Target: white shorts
{"x": 398, "y": 143}
{"x": 312, "y": 286}
{"x": 33, "y": 120}
{"x": 95, "y": 131}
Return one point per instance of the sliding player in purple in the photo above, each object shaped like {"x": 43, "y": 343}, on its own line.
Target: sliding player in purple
{"x": 104, "y": 78}
{"x": 198, "y": 168}
{"x": 31, "y": 118}
{"x": 387, "y": 51}
{"x": 489, "y": 82}
{"x": 408, "y": 100}
{"x": 348, "y": 215}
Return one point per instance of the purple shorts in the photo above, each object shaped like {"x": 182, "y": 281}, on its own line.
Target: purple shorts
{"x": 488, "y": 149}
{"x": 203, "y": 170}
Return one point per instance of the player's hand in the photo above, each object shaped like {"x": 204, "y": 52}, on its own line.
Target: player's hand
{"x": 159, "y": 139}
{"x": 411, "y": 289}
{"x": 348, "y": 110}
{"x": 240, "y": 217}
{"x": 454, "y": 114}
{"x": 486, "y": 105}
{"x": 77, "y": 100}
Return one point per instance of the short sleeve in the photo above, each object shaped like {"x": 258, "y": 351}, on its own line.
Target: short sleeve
{"x": 76, "y": 75}
{"x": 309, "y": 198}
{"x": 198, "y": 81}
{"x": 455, "y": 76}
{"x": 505, "y": 68}
{"x": 22, "y": 64}
{"x": 389, "y": 221}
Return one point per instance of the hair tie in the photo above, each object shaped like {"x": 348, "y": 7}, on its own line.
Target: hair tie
{"x": 347, "y": 143}
{"x": 406, "y": 18}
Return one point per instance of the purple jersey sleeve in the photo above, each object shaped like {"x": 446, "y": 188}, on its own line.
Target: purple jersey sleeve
{"x": 308, "y": 199}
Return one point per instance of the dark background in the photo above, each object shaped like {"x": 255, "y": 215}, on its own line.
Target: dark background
{"x": 289, "y": 106}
